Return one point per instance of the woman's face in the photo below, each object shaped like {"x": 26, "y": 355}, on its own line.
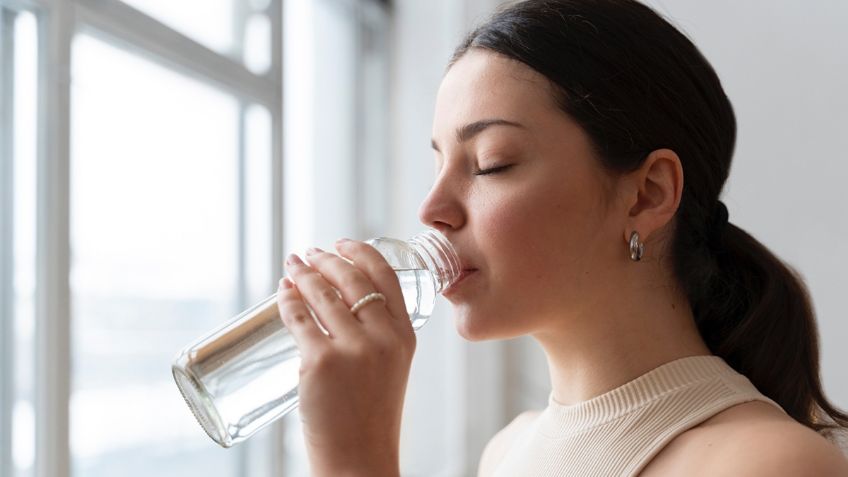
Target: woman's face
{"x": 539, "y": 230}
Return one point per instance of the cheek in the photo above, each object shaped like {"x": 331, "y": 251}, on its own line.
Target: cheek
{"x": 524, "y": 232}
{"x": 515, "y": 237}
{"x": 539, "y": 236}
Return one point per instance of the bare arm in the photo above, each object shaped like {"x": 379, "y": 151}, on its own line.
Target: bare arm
{"x": 779, "y": 450}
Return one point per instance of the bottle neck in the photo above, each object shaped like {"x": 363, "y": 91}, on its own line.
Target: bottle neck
{"x": 439, "y": 256}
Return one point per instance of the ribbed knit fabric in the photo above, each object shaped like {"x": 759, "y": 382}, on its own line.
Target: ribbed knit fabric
{"x": 619, "y": 432}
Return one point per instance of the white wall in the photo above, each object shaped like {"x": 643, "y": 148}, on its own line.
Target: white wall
{"x": 783, "y": 64}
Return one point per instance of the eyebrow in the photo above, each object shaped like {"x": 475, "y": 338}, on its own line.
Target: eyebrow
{"x": 465, "y": 133}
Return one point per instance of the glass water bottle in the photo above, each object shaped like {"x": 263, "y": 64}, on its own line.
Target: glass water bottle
{"x": 243, "y": 375}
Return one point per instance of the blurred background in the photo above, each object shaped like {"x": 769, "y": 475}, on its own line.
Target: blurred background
{"x": 158, "y": 158}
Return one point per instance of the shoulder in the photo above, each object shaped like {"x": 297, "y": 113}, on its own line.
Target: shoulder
{"x": 747, "y": 440}
{"x": 778, "y": 449}
{"x": 502, "y": 441}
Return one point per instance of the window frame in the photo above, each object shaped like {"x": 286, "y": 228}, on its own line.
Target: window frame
{"x": 7, "y": 60}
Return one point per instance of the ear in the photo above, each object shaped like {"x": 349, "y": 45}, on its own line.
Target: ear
{"x": 654, "y": 194}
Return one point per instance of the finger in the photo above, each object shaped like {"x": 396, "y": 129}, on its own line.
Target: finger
{"x": 322, "y": 298}
{"x": 374, "y": 266}
{"x": 351, "y": 281}
{"x": 297, "y": 318}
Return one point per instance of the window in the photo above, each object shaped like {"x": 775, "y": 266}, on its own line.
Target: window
{"x": 141, "y": 204}
{"x": 132, "y": 184}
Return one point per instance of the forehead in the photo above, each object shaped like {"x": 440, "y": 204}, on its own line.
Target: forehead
{"x": 483, "y": 84}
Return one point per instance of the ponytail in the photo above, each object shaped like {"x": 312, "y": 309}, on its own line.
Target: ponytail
{"x": 754, "y": 311}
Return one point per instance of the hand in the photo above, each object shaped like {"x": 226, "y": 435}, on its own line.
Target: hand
{"x": 352, "y": 382}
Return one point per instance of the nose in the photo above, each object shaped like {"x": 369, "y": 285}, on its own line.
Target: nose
{"x": 442, "y": 208}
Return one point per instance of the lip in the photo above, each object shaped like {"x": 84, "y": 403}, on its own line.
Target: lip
{"x": 462, "y": 276}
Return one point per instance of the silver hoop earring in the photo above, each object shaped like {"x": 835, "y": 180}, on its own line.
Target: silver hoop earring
{"x": 636, "y": 248}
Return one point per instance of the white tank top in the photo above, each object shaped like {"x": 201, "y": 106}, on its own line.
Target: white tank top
{"x": 619, "y": 432}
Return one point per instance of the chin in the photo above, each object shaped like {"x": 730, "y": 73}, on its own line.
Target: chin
{"x": 474, "y": 329}
{"x": 469, "y": 335}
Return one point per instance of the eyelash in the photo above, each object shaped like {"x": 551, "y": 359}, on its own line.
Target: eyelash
{"x": 493, "y": 170}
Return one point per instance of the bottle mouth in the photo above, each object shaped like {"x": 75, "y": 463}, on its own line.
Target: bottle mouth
{"x": 442, "y": 257}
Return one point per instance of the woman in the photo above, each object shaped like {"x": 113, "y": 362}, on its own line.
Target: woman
{"x": 581, "y": 147}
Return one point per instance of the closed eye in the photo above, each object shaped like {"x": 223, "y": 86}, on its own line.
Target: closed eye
{"x": 493, "y": 170}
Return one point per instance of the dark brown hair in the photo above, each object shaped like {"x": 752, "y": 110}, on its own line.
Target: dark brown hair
{"x": 635, "y": 84}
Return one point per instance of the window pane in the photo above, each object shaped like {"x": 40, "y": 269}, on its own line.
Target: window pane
{"x": 154, "y": 240}
{"x": 257, "y": 43}
{"x": 260, "y": 271}
{"x": 24, "y": 54}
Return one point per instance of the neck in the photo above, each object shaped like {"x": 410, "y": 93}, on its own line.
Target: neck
{"x": 619, "y": 340}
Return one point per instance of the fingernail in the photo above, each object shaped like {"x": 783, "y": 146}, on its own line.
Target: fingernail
{"x": 313, "y": 250}
{"x": 342, "y": 240}
{"x": 294, "y": 260}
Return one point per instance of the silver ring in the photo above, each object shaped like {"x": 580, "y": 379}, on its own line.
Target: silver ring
{"x": 366, "y": 300}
